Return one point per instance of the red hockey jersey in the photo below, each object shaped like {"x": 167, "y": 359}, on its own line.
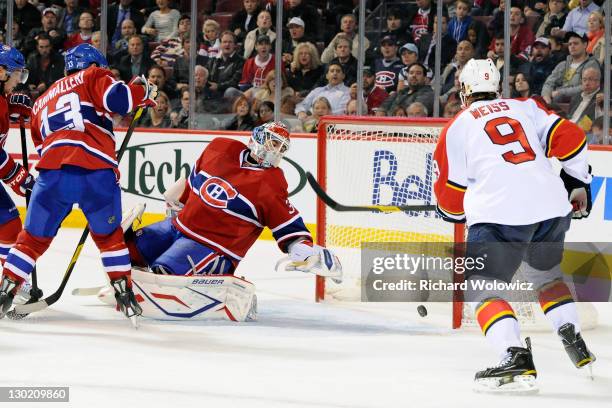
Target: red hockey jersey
{"x": 227, "y": 204}
{"x": 71, "y": 122}
{"x": 6, "y": 162}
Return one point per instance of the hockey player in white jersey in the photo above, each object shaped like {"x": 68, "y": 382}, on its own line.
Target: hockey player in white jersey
{"x": 493, "y": 172}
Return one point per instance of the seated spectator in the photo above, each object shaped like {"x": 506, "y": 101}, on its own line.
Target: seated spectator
{"x": 158, "y": 116}
{"x": 554, "y": 18}
{"x": 305, "y": 69}
{"x": 68, "y": 18}
{"x": 18, "y": 37}
{"x": 399, "y": 112}
{"x": 452, "y": 95}
{"x": 180, "y": 116}
{"x": 348, "y": 25}
{"x": 296, "y": 36}
{"x": 451, "y": 110}
{"x": 225, "y": 71}
{"x": 84, "y": 33}
{"x": 465, "y": 52}
{"x": 583, "y": 107}
{"x": 416, "y": 110}
{"x": 136, "y": 63}
{"x": 335, "y": 91}
{"x": 497, "y": 56}
{"x": 564, "y": 82}
{"x": 118, "y": 13}
{"x": 409, "y": 54}
{"x": 351, "y": 107}
{"x": 479, "y": 39}
{"x": 557, "y": 53}
{"x": 265, "y": 112}
{"x": 374, "y": 96}
{"x": 48, "y": 27}
{"x": 388, "y": 67}
{"x": 161, "y": 23}
{"x": 170, "y": 49}
{"x": 595, "y": 34}
{"x": 427, "y": 47}
{"x": 416, "y": 91}
{"x": 45, "y": 65}
{"x": 396, "y": 26}
{"x": 242, "y": 119}
{"x": 420, "y": 19}
{"x": 521, "y": 86}
{"x": 184, "y": 26}
{"x": 308, "y": 14}
{"x": 576, "y": 20}
{"x": 266, "y": 92}
{"x": 157, "y": 75}
{"x": 288, "y": 104}
{"x": 320, "y": 108}
{"x": 520, "y": 33}
{"x": 180, "y": 71}
{"x": 209, "y": 47}
{"x": 264, "y": 24}
{"x": 540, "y": 65}
{"x": 204, "y": 97}
{"x": 534, "y": 8}
{"x": 245, "y": 20}
{"x": 597, "y": 135}
{"x": 26, "y": 15}
{"x": 458, "y": 25}
{"x": 120, "y": 49}
{"x": 256, "y": 68}
{"x": 343, "y": 56}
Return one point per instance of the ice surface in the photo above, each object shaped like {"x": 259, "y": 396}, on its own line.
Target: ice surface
{"x": 299, "y": 353}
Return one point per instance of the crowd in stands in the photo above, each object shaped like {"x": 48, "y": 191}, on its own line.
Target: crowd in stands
{"x": 557, "y": 54}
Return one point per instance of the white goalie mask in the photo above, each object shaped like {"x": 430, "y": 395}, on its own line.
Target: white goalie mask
{"x": 478, "y": 76}
{"x": 268, "y": 143}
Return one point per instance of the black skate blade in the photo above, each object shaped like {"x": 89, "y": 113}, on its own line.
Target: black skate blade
{"x": 522, "y": 385}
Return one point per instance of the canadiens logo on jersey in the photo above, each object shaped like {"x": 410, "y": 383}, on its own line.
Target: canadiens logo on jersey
{"x": 385, "y": 79}
{"x": 216, "y": 192}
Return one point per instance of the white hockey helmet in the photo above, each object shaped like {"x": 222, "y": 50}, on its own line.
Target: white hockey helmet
{"x": 478, "y": 76}
{"x": 269, "y": 142}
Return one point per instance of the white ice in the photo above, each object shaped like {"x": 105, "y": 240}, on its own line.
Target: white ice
{"x": 299, "y": 353}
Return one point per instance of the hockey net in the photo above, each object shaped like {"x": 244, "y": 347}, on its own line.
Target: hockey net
{"x": 379, "y": 161}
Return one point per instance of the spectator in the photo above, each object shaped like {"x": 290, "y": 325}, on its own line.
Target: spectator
{"x": 399, "y": 112}
{"x": 225, "y": 70}
{"x": 118, "y": 13}
{"x": 554, "y": 18}
{"x": 520, "y": 34}
{"x": 427, "y": 46}
{"x": 387, "y": 68}
{"x": 242, "y": 119}
{"x": 180, "y": 116}
{"x": 416, "y": 91}
{"x": 374, "y": 96}
{"x": 534, "y": 8}
{"x": 343, "y": 56}
{"x": 204, "y": 98}
{"x": 308, "y": 14}
{"x": 265, "y": 113}
{"x": 396, "y": 26}
{"x": 170, "y": 49}
{"x": 296, "y": 36}
{"x": 158, "y": 116}
{"x": 576, "y": 20}
{"x": 416, "y": 110}
{"x": 96, "y": 40}
{"x": 597, "y": 136}
{"x": 409, "y": 55}
{"x": 465, "y": 52}
{"x": 209, "y": 47}
{"x": 84, "y": 33}
{"x": 451, "y": 110}
{"x": 305, "y": 69}
{"x": 120, "y": 49}
{"x": 348, "y": 24}
{"x": 161, "y": 23}
{"x": 49, "y": 27}
{"x": 351, "y": 107}
{"x": 157, "y": 76}
{"x": 180, "y": 71}
{"x": 595, "y": 34}
{"x": 479, "y": 38}
{"x": 264, "y": 24}
{"x": 136, "y": 63}
{"x": 288, "y": 104}
{"x": 521, "y": 86}
{"x": 184, "y": 26}
{"x": 497, "y": 55}
{"x": 245, "y": 20}
{"x": 335, "y": 91}
{"x": 69, "y": 16}
{"x": 26, "y": 15}
{"x": 266, "y": 92}
{"x": 564, "y": 82}
{"x": 256, "y": 68}
{"x": 458, "y": 25}
{"x": 452, "y": 95}
{"x": 320, "y": 108}
{"x": 45, "y": 65}
{"x": 421, "y": 19}
{"x": 583, "y": 107}
{"x": 540, "y": 66}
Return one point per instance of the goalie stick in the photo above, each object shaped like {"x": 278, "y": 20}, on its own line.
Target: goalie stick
{"x": 334, "y": 205}
{"x": 20, "y": 311}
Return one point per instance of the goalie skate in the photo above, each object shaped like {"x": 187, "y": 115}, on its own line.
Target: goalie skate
{"x": 515, "y": 374}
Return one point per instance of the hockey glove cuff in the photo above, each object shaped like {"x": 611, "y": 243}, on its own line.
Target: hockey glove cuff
{"x": 20, "y": 106}
{"x": 579, "y": 194}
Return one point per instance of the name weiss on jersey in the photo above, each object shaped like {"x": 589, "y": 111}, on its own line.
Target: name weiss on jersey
{"x": 62, "y": 86}
{"x": 489, "y": 108}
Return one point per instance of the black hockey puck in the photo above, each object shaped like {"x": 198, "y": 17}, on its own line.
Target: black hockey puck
{"x": 422, "y": 310}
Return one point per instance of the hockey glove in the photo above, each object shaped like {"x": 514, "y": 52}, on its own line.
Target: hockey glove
{"x": 150, "y": 91}
{"x": 310, "y": 258}
{"x": 579, "y": 194}
{"x": 20, "y": 106}
{"x": 19, "y": 180}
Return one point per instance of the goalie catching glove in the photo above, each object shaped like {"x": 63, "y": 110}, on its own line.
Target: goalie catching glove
{"x": 579, "y": 194}
{"x": 306, "y": 257}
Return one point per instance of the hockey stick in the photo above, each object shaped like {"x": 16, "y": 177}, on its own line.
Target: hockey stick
{"x": 54, "y": 297}
{"x": 334, "y": 205}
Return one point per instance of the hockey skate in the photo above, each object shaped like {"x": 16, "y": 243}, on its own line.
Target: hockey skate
{"x": 515, "y": 374}
{"x": 8, "y": 288}
{"x": 576, "y": 347}
{"x": 126, "y": 301}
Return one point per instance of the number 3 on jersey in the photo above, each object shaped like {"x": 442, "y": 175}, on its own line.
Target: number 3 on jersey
{"x": 494, "y": 127}
{"x": 66, "y": 115}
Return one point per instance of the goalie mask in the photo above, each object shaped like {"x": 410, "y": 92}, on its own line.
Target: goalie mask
{"x": 478, "y": 76}
{"x": 268, "y": 143}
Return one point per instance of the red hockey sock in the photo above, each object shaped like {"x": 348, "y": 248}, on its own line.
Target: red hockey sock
{"x": 22, "y": 257}
{"x": 8, "y": 235}
{"x": 115, "y": 254}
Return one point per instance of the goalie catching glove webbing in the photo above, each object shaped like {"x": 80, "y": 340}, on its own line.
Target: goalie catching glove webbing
{"x": 306, "y": 257}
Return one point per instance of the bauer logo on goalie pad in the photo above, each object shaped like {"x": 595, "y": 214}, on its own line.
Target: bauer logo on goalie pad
{"x": 216, "y": 192}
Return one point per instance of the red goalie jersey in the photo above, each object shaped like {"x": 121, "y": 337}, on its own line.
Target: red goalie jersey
{"x": 493, "y": 163}
{"x": 71, "y": 122}
{"x": 227, "y": 204}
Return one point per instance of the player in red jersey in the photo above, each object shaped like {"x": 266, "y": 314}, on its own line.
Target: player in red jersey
{"x": 72, "y": 130}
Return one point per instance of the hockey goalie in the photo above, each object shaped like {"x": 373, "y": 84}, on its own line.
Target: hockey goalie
{"x": 185, "y": 264}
